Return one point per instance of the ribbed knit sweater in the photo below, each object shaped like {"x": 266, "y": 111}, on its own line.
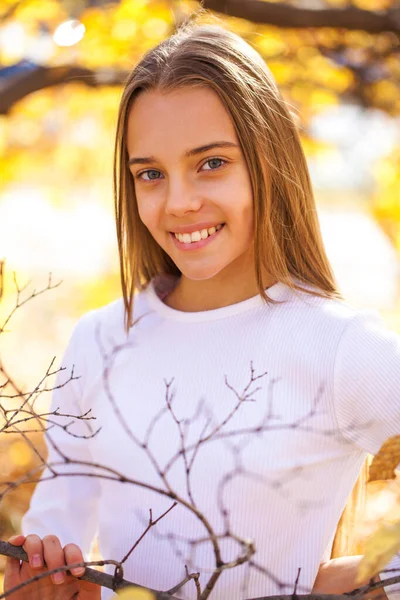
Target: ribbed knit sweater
{"x": 258, "y": 416}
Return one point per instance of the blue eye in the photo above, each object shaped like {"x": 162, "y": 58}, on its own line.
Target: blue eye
{"x": 213, "y": 160}
{"x": 215, "y": 163}
{"x": 149, "y": 171}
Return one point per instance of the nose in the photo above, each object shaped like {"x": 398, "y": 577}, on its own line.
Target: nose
{"x": 182, "y": 197}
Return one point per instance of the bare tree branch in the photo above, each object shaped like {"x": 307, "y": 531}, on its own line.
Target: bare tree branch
{"x": 34, "y": 294}
{"x": 189, "y": 576}
{"x": 108, "y": 581}
{"x": 289, "y": 16}
{"x": 13, "y": 89}
{"x": 149, "y": 526}
{"x": 90, "y": 575}
{"x": 212, "y": 431}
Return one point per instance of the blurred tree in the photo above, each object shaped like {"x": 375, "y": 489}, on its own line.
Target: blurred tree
{"x": 63, "y": 63}
{"x": 319, "y": 50}
{"x": 59, "y": 100}
{"x": 386, "y": 199}
{"x": 26, "y": 77}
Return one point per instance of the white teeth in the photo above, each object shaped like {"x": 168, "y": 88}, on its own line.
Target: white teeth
{"x": 196, "y": 236}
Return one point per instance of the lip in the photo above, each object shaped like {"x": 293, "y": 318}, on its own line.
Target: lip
{"x": 196, "y": 227}
{"x": 196, "y": 245}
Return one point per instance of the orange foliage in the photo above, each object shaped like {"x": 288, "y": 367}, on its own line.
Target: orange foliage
{"x": 17, "y": 458}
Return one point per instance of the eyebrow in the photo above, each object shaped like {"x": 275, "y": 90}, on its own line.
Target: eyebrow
{"x": 140, "y": 160}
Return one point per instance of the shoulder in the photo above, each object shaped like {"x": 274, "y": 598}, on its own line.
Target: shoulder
{"x": 98, "y": 334}
{"x": 330, "y": 324}
{"x": 108, "y": 321}
{"x": 334, "y": 313}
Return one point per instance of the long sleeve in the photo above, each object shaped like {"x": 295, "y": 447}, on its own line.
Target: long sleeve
{"x": 367, "y": 393}
{"x": 67, "y": 506}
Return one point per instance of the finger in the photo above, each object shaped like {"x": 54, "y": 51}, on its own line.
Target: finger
{"x": 54, "y": 557}
{"x": 73, "y": 554}
{"x": 12, "y": 576}
{"x": 11, "y": 573}
{"x": 17, "y": 540}
{"x": 34, "y": 549}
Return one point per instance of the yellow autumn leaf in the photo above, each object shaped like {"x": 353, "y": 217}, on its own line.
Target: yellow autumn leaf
{"x": 134, "y": 593}
{"x": 387, "y": 459}
{"x": 379, "y": 549}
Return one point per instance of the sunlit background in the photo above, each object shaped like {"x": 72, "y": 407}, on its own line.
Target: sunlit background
{"x": 56, "y": 142}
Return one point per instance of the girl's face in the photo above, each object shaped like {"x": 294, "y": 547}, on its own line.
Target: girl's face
{"x": 191, "y": 180}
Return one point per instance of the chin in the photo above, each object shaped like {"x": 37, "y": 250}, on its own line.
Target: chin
{"x": 200, "y": 274}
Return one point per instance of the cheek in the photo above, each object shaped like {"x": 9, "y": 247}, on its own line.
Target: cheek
{"x": 248, "y": 228}
{"x": 244, "y": 195}
{"x": 247, "y": 220}
{"x": 249, "y": 206}
{"x": 243, "y": 208}
{"x": 148, "y": 211}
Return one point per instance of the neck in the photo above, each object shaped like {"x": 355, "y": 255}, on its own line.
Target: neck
{"x": 219, "y": 291}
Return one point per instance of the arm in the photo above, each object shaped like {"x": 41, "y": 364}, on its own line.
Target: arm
{"x": 367, "y": 383}
{"x": 339, "y": 575}
{"x": 367, "y": 406}
{"x": 67, "y": 506}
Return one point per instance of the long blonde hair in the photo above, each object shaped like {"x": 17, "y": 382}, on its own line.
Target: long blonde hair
{"x": 287, "y": 238}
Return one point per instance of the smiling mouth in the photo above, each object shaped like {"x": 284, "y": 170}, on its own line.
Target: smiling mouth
{"x": 197, "y": 236}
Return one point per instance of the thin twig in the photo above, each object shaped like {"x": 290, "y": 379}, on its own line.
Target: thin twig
{"x": 34, "y": 294}
{"x": 149, "y": 526}
{"x": 296, "y": 583}
{"x": 189, "y": 576}
{"x": 178, "y": 423}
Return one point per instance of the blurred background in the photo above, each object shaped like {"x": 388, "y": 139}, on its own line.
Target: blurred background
{"x": 62, "y": 65}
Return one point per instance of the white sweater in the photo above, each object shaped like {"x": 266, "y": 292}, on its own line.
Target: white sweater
{"x": 277, "y": 471}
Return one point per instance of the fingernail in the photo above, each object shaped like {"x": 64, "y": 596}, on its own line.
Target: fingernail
{"x": 58, "y": 578}
{"x": 36, "y": 561}
{"x": 78, "y": 571}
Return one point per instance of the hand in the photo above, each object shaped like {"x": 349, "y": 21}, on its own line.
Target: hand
{"x": 338, "y": 576}
{"x": 44, "y": 555}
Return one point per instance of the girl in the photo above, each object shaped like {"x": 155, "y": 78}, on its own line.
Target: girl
{"x": 236, "y": 380}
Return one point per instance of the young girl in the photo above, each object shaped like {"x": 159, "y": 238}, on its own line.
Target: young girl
{"x": 236, "y": 380}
